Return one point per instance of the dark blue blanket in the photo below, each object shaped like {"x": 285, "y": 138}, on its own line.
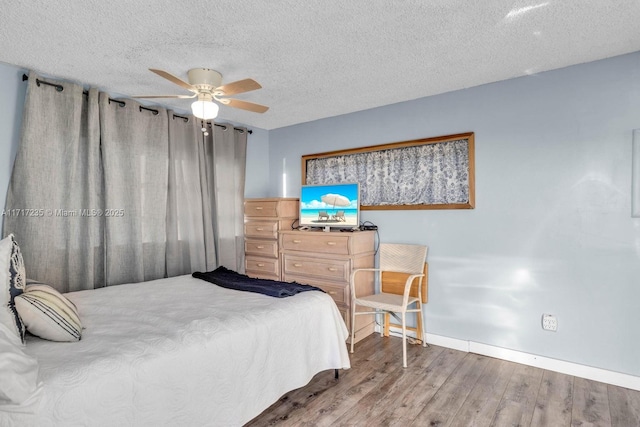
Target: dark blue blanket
{"x": 230, "y": 279}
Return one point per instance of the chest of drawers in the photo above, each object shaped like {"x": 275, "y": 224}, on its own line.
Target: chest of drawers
{"x": 263, "y": 220}
{"x": 326, "y": 260}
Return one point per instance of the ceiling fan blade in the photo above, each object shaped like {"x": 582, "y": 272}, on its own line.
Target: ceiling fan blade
{"x": 244, "y": 105}
{"x": 166, "y": 96}
{"x": 240, "y": 86}
{"x": 174, "y": 79}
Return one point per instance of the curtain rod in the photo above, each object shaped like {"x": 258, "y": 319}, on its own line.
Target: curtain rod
{"x": 186, "y": 119}
{"x": 121, "y": 103}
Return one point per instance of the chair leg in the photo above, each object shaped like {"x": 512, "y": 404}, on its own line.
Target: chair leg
{"x": 353, "y": 325}
{"x": 422, "y": 335}
{"x": 404, "y": 340}
{"x": 387, "y": 323}
{"x": 424, "y": 330}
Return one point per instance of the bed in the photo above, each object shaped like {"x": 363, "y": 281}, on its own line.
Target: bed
{"x": 180, "y": 351}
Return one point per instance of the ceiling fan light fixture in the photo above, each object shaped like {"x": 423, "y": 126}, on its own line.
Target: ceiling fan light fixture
{"x": 205, "y": 109}
{"x": 206, "y": 85}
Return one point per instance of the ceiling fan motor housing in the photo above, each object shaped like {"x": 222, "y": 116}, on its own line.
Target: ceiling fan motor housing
{"x": 204, "y": 78}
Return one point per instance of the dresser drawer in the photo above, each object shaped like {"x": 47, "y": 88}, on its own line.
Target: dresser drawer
{"x": 328, "y": 243}
{"x": 261, "y": 208}
{"x": 263, "y": 266}
{"x": 339, "y": 293}
{"x": 328, "y": 269}
{"x": 263, "y": 248}
{"x": 262, "y": 228}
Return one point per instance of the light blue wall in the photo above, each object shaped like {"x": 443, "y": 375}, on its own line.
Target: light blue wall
{"x": 12, "y": 93}
{"x": 552, "y": 230}
{"x": 256, "y": 182}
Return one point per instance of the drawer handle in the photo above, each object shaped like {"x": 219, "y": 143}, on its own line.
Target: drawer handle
{"x": 297, "y": 265}
{"x": 332, "y": 292}
{"x": 297, "y": 241}
{"x": 258, "y": 208}
{"x": 332, "y": 269}
{"x": 331, "y": 243}
{"x": 259, "y": 229}
{"x": 260, "y": 247}
{"x": 260, "y": 264}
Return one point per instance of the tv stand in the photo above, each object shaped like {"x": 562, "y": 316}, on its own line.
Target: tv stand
{"x": 326, "y": 260}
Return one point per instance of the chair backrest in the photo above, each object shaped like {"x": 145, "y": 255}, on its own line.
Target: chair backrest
{"x": 404, "y": 258}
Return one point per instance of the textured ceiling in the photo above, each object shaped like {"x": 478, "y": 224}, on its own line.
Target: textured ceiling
{"x": 314, "y": 58}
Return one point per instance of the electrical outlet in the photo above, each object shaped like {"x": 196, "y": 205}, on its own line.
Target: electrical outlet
{"x": 549, "y": 322}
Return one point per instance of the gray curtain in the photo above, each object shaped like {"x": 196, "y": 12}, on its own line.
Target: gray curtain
{"x": 190, "y": 239}
{"x": 55, "y": 193}
{"x": 135, "y": 152}
{"x": 226, "y": 152}
{"x": 106, "y": 191}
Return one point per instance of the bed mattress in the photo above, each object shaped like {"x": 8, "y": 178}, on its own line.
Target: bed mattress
{"x": 181, "y": 351}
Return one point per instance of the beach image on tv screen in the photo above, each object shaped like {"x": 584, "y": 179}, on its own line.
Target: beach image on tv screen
{"x": 329, "y": 205}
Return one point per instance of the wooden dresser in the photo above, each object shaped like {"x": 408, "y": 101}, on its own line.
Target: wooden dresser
{"x": 326, "y": 260}
{"x": 263, "y": 220}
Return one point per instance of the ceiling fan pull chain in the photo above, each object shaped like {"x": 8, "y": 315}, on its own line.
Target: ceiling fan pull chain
{"x": 204, "y": 128}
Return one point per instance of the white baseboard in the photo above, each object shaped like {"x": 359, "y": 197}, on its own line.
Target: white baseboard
{"x": 568, "y": 368}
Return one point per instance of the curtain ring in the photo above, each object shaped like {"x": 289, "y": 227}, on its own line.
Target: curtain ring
{"x": 59, "y": 88}
{"x": 186, "y": 119}
{"x": 117, "y": 101}
{"x": 155, "y": 112}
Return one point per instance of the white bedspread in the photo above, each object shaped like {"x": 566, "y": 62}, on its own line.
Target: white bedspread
{"x": 182, "y": 352}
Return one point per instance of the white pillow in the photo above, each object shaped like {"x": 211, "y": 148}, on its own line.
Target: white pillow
{"x": 19, "y": 371}
{"x": 12, "y": 284}
{"x": 48, "y": 314}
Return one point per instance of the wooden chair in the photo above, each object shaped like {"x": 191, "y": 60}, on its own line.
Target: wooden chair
{"x": 394, "y": 258}
{"x": 394, "y": 283}
{"x": 323, "y": 216}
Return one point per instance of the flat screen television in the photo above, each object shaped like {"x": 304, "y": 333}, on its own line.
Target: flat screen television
{"x": 330, "y": 205}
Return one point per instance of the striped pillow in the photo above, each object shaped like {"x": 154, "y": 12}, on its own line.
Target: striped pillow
{"x": 48, "y": 314}
{"x": 12, "y": 282}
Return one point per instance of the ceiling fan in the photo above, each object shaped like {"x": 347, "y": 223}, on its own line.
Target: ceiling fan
{"x": 206, "y": 85}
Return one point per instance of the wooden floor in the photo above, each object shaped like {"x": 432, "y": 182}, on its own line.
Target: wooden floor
{"x": 444, "y": 387}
